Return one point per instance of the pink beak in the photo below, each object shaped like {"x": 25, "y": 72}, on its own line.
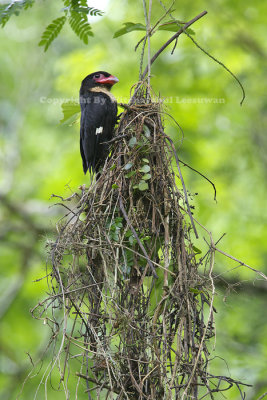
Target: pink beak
{"x": 110, "y": 80}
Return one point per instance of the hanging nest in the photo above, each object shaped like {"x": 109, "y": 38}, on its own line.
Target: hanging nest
{"x": 125, "y": 274}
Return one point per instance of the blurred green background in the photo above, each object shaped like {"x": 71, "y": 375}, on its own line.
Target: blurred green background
{"x": 224, "y": 141}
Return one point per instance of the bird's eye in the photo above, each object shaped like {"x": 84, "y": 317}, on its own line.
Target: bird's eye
{"x": 97, "y": 76}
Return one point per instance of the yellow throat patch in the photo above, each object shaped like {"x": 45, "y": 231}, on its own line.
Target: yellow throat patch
{"x": 104, "y": 90}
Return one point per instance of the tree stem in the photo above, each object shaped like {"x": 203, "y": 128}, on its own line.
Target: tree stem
{"x": 175, "y": 36}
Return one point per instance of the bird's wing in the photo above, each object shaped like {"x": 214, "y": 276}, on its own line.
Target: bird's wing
{"x": 97, "y": 123}
{"x": 85, "y": 167}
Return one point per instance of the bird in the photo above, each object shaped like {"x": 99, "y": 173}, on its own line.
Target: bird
{"x": 98, "y": 119}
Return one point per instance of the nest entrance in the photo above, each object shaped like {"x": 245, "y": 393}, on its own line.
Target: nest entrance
{"x": 126, "y": 276}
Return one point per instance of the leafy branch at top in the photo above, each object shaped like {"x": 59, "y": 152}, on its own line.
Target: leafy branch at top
{"x": 13, "y": 8}
{"x": 76, "y": 12}
{"x": 131, "y": 26}
{"x": 172, "y": 25}
{"x": 51, "y": 32}
{"x": 79, "y": 24}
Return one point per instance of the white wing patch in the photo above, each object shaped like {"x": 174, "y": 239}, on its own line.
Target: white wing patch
{"x": 99, "y": 130}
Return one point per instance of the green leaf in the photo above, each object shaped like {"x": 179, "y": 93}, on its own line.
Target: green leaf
{"x": 145, "y": 238}
{"x": 145, "y": 168}
{"x": 132, "y": 240}
{"x": 82, "y": 216}
{"x": 80, "y": 25}
{"x": 144, "y": 141}
{"x": 128, "y": 166}
{"x": 190, "y": 31}
{"x": 115, "y": 186}
{"x": 112, "y": 167}
{"x": 196, "y": 250}
{"x": 130, "y": 174}
{"x": 195, "y": 291}
{"x": 94, "y": 12}
{"x": 13, "y": 8}
{"x": 142, "y": 186}
{"x": 146, "y": 177}
{"x": 115, "y": 236}
{"x": 51, "y": 32}
{"x": 146, "y": 131}
{"x": 132, "y": 142}
{"x": 70, "y": 111}
{"x": 172, "y": 26}
{"x": 129, "y": 27}
{"x": 145, "y": 160}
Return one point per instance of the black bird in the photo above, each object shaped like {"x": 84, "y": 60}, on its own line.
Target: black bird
{"x": 98, "y": 118}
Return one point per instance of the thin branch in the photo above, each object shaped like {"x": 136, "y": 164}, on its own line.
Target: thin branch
{"x": 116, "y": 138}
{"x": 262, "y": 396}
{"x": 222, "y": 65}
{"x": 209, "y": 55}
{"x": 175, "y": 36}
{"x": 137, "y": 237}
{"x": 231, "y": 257}
{"x": 204, "y": 176}
{"x": 88, "y": 378}
{"x": 257, "y": 287}
{"x": 183, "y": 184}
{"x": 142, "y": 58}
{"x": 152, "y": 30}
{"x": 212, "y": 261}
{"x": 148, "y": 45}
{"x": 241, "y": 263}
{"x": 147, "y": 31}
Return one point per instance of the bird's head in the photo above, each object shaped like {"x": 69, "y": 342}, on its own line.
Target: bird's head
{"x": 99, "y": 79}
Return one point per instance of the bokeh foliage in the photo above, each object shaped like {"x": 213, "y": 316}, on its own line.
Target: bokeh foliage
{"x": 224, "y": 141}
